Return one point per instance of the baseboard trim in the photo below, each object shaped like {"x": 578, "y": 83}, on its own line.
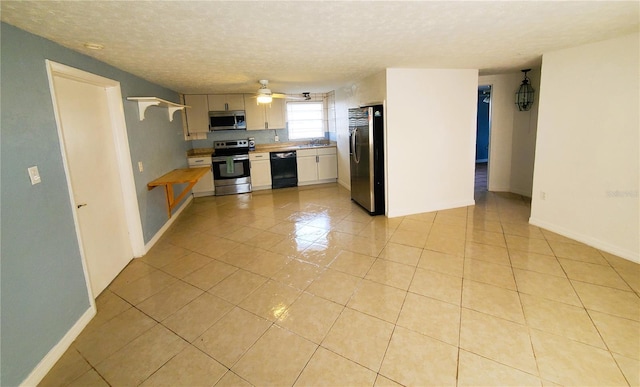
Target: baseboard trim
{"x": 588, "y": 240}
{"x": 523, "y": 192}
{"x": 203, "y": 193}
{"x": 168, "y": 224}
{"x": 47, "y": 362}
{"x": 345, "y": 184}
{"x": 491, "y": 188}
{"x": 437, "y": 207}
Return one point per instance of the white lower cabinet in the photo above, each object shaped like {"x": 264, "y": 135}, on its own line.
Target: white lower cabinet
{"x": 260, "y": 170}
{"x": 317, "y": 166}
{"x": 204, "y": 186}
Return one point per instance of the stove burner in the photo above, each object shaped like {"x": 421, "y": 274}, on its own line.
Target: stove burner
{"x": 230, "y": 148}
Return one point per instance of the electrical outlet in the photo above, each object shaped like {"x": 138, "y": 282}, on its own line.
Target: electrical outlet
{"x": 277, "y": 138}
{"x": 140, "y": 166}
{"x": 34, "y": 175}
{"x": 543, "y": 195}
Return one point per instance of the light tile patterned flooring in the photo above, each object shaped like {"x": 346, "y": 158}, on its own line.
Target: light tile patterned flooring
{"x": 302, "y": 287}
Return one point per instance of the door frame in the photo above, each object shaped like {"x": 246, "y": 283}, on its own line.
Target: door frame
{"x": 123, "y": 156}
{"x": 490, "y": 85}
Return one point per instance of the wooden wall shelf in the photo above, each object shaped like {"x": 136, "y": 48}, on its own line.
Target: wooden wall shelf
{"x": 145, "y": 102}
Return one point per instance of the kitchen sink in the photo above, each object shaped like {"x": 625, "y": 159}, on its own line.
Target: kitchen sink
{"x": 312, "y": 145}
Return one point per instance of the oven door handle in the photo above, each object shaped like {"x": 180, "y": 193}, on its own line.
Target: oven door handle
{"x": 223, "y": 159}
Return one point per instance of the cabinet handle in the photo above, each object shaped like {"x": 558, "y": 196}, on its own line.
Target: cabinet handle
{"x": 317, "y": 159}
{"x": 226, "y": 106}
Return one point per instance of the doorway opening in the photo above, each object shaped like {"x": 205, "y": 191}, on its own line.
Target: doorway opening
{"x": 483, "y": 128}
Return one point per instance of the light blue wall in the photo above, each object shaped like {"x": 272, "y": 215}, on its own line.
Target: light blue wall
{"x": 42, "y": 286}
{"x": 482, "y": 130}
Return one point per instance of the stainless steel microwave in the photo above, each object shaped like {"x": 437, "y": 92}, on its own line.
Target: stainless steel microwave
{"x": 227, "y": 120}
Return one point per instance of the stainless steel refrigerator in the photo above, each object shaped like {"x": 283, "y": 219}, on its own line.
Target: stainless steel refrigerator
{"x": 366, "y": 154}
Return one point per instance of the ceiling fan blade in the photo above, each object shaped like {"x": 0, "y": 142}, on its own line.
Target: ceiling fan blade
{"x": 280, "y": 95}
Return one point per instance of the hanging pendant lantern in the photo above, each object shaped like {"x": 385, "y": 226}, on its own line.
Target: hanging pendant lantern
{"x": 524, "y": 95}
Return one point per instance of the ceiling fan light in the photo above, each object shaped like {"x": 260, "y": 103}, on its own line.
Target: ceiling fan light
{"x": 264, "y": 98}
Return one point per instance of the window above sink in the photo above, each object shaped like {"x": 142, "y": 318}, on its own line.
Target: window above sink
{"x": 305, "y": 120}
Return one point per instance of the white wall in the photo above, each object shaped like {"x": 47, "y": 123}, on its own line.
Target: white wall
{"x": 430, "y": 135}
{"x": 366, "y": 91}
{"x": 586, "y": 158}
{"x": 523, "y": 140}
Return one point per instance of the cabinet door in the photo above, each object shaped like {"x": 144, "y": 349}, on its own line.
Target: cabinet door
{"x": 217, "y": 102}
{"x": 235, "y": 101}
{"x": 255, "y": 113}
{"x": 261, "y": 173}
{"x": 307, "y": 169}
{"x": 197, "y": 114}
{"x": 275, "y": 114}
{"x": 327, "y": 167}
{"x": 204, "y": 185}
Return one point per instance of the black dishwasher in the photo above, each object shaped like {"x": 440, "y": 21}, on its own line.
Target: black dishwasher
{"x": 284, "y": 169}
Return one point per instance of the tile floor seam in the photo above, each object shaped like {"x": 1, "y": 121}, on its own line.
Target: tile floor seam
{"x": 97, "y": 372}
{"x": 608, "y": 349}
{"x": 609, "y": 352}
{"x": 395, "y": 325}
{"x": 619, "y": 275}
{"x": 526, "y": 322}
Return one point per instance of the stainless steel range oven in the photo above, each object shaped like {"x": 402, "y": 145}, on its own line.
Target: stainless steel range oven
{"x": 231, "y": 174}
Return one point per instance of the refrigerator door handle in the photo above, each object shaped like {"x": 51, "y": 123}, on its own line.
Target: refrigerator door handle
{"x": 354, "y": 148}
{"x": 350, "y": 142}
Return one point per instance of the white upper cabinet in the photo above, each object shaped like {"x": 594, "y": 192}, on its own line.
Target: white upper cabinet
{"x": 264, "y": 116}
{"x": 198, "y": 114}
{"x": 255, "y": 114}
{"x": 222, "y": 102}
{"x": 275, "y": 114}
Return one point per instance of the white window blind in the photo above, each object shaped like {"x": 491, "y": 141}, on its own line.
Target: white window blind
{"x": 305, "y": 120}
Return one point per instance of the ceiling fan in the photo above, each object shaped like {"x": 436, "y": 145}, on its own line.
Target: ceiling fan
{"x": 265, "y": 95}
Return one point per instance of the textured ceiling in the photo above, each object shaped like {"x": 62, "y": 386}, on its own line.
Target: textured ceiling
{"x": 315, "y": 46}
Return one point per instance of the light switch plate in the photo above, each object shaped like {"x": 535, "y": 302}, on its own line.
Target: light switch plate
{"x": 34, "y": 175}
{"x": 140, "y": 166}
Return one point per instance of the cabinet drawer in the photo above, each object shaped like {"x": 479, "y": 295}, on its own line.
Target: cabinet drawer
{"x": 306, "y": 152}
{"x": 327, "y": 151}
{"x": 195, "y": 161}
{"x": 259, "y": 156}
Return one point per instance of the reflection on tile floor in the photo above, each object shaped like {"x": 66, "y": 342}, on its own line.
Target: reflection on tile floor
{"x": 301, "y": 287}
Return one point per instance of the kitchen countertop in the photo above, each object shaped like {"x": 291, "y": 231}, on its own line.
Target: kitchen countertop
{"x": 272, "y": 147}
{"x": 290, "y": 146}
{"x": 199, "y": 152}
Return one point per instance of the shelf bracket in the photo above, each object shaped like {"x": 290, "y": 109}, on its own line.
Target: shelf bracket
{"x": 145, "y": 102}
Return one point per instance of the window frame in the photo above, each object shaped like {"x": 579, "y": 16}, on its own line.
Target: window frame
{"x": 322, "y": 129}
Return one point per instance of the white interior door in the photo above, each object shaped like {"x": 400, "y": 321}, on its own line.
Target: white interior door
{"x": 90, "y": 149}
